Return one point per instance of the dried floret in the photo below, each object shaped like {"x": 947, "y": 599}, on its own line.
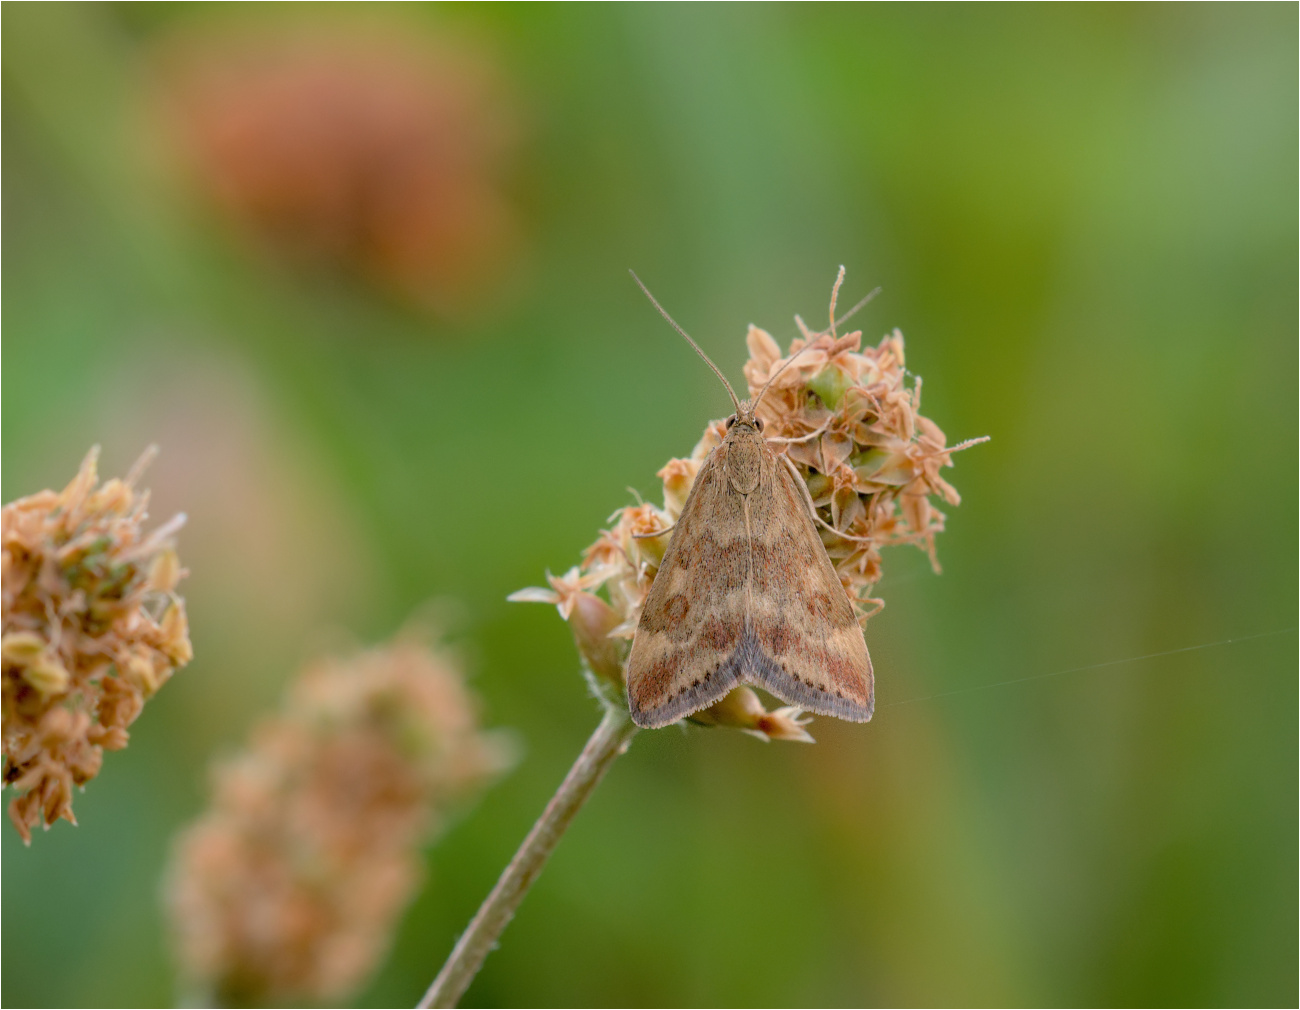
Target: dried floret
{"x": 381, "y": 154}
{"x": 92, "y": 629}
{"x": 288, "y": 889}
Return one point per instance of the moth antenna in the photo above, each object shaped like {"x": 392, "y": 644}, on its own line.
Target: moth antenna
{"x": 730, "y": 392}
{"x": 854, "y": 311}
{"x": 759, "y": 398}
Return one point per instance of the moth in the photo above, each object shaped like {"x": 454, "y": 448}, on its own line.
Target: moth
{"x": 746, "y": 593}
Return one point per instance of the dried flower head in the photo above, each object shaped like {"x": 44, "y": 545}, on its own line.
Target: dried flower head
{"x": 92, "y": 629}
{"x": 850, "y": 422}
{"x": 363, "y": 150}
{"x": 288, "y": 889}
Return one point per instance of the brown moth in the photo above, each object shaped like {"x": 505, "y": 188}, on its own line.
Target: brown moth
{"x": 746, "y": 593}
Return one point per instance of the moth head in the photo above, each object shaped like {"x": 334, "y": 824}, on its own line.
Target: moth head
{"x": 745, "y": 416}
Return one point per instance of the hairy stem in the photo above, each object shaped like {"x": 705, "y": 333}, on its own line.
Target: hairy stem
{"x": 611, "y": 738}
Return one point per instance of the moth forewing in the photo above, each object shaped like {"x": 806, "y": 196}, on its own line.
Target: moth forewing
{"x": 747, "y": 594}
{"x": 811, "y": 650}
{"x": 683, "y": 653}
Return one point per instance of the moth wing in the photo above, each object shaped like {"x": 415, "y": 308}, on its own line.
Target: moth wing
{"x": 685, "y": 653}
{"x": 803, "y": 642}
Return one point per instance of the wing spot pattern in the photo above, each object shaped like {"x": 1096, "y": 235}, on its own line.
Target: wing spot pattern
{"x": 819, "y": 605}
{"x": 718, "y": 635}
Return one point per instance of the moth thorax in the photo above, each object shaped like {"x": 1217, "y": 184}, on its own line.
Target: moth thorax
{"x": 743, "y": 462}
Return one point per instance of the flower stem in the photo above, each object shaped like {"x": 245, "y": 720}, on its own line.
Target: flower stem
{"x": 611, "y": 738}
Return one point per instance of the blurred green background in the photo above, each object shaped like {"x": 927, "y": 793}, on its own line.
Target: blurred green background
{"x": 1084, "y": 221}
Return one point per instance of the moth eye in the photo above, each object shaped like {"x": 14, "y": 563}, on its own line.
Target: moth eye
{"x": 730, "y": 421}
{"x": 759, "y": 421}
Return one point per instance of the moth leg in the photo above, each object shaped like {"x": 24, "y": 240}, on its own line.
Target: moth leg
{"x": 802, "y": 438}
{"x": 656, "y": 533}
{"x": 841, "y": 534}
{"x": 812, "y": 509}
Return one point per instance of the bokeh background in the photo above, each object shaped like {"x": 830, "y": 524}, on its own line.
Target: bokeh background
{"x": 361, "y": 272}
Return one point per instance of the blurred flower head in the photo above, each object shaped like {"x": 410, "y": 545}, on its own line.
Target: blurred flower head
{"x": 850, "y": 422}
{"x": 364, "y": 151}
{"x": 92, "y": 629}
{"x": 289, "y": 888}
